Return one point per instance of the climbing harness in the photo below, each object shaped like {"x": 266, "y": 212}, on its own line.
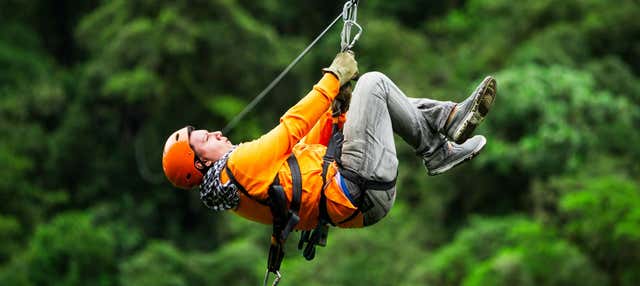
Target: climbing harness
{"x": 349, "y": 16}
{"x": 318, "y": 237}
{"x": 285, "y": 219}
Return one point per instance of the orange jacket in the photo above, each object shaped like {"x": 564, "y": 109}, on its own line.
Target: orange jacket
{"x": 255, "y": 164}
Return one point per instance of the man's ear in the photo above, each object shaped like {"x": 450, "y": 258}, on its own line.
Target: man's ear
{"x": 202, "y": 165}
{"x": 199, "y": 165}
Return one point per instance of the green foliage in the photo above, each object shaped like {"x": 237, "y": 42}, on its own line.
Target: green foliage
{"x": 551, "y": 119}
{"x": 507, "y": 251}
{"x": 32, "y": 98}
{"x": 378, "y": 255}
{"x": 70, "y": 250}
{"x": 157, "y": 264}
{"x": 490, "y": 34}
{"x": 162, "y": 264}
{"x": 9, "y": 234}
{"x": 602, "y": 215}
{"x": 606, "y": 206}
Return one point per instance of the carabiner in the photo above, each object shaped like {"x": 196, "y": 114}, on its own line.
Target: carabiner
{"x": 275, "y": 281}
{"x": 348, "y": 12}
{"x": 348, "y": 43}
{"x": 349, "y": 17}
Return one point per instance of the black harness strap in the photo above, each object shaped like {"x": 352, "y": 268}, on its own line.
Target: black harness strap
{"x": 319, "y": 235}
{"x": 296, "y": 179}
{"x": 278, "y": 207}
{"x": 365, "y": 184}
{"x": 333, "y": 153}
{"x": 284, "y": 219}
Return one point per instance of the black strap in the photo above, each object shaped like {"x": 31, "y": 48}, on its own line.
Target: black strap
{"x": 296, "y": 197}
{"x": 296, "y": 179}
{"x": 334, "y": 149}
{"x": 279, "y": 211}
{"x": 278, "y": 207}
{"x": 319, "y": 235}
{"x": 284, "y": 219}
{"x": 365, "y": 184}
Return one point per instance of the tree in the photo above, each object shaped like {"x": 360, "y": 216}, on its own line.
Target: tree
{"x": 70, "y": 250}
{"x": 507, "y": 251}
{"x": 599, "y": 213}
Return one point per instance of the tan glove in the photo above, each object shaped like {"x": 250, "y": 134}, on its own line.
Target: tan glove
{"x": 344, "y": 67}
{"x": 343, "y": 99}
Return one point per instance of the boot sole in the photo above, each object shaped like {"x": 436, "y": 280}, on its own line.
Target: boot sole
{"x": 449, "y": 166}
{"x": 485, "y": 95}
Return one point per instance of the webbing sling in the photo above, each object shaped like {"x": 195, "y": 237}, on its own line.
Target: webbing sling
{"x": 365, "y": 184}
{"x": 284, "y": 219}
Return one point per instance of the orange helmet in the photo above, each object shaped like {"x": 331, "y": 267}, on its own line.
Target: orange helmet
{"x": 179, "y": 160}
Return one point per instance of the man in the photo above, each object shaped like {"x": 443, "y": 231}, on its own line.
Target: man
{"x": 359, "y": 189}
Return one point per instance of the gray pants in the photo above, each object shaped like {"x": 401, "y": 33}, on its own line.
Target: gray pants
{"x": 378, "y": 109}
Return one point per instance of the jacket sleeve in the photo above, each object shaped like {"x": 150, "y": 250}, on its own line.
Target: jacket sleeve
{"x": 321, "y": 132}
{"x": 260, "y": 159}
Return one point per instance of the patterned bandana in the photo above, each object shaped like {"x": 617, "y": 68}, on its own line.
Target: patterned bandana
{"x": 213, "y": 193}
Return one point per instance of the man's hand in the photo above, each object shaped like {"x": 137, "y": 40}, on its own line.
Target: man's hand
{"x": 344, "y": 67}
{"x": 342, "y": 100}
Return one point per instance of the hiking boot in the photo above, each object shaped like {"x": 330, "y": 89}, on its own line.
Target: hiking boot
{"x": 451, "y": 154}
{"x": 469, "y": 113}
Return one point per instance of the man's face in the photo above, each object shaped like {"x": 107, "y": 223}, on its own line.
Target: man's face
{"x": 209, "y": 146}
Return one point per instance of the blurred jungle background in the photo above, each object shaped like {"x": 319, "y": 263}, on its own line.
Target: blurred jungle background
{"x": 89, "y": 91}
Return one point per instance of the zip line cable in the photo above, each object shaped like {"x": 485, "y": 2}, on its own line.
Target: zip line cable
{"x": 273, "y": 83}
